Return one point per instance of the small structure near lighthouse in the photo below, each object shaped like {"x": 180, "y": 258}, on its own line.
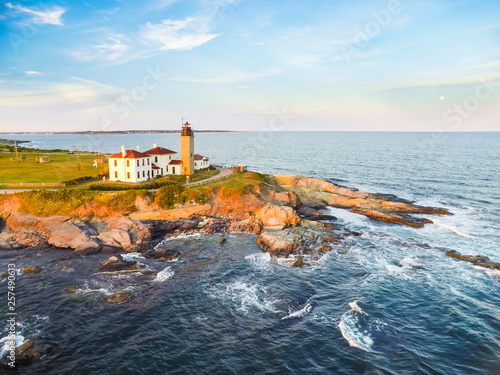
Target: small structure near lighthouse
{"x": 135, "y": 166}
{"x": 187, "y": 149}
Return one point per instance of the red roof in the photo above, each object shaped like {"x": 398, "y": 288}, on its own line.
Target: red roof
{"x": 199, "y": 157}
{"x": 175, "y": 162}
{"x": 132, "y": 154}
{"x": 159, "y": 151}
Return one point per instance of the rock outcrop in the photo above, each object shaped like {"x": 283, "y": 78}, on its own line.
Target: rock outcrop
{"x": 314, "y": 192}
{"x": 285, "y": 210}
{"x": 477, "y": 260}
{"x": 114, "y": 264}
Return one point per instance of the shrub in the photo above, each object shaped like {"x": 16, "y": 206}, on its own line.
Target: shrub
{"x": 172, "y": 194}
{"x": 154, "y": 184}
{"x": 59, "y": 202}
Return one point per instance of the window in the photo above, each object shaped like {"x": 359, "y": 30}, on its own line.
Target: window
{"x": 162, "y": 171}
{"x": 156, "y": 159}
{"x": 137, "y": 162}
{"x": 143, "y": 173}
{"x": 173, "y": 170}
{"x": 128, "y": 175}
{"x": 138, "y": 175}
{"x": 142, "y": 164}
{"x": 116, "y": 163}
{"x": 128, "y": 163}
{"x": 116, "y": 174}
{"x": 148, "y": 161}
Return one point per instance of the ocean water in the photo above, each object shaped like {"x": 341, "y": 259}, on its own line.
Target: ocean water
{"x": 387, "y": 302}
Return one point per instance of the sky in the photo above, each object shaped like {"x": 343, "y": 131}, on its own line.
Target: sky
{"x": 279, "y": 65}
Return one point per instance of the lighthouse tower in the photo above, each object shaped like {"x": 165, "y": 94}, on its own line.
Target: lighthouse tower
{"x": 187, "y": 149}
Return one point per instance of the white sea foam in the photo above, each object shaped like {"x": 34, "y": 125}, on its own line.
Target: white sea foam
{"x": 355, "y": 308}
{"x": 179, "y": 237}
{"x": 354, "y": 336}
{"x": 5, "y": 344}
{"x": 451, "y": 228}
{"x": 351, "y": 331}
{"x": 245, "y": 296}
{"x": 86, "y": 290}
{"x": 132, "y": 256}
{"x": 164, "y": 275}
{"x": 259, "y": 260}
{"x": 299, "y": 313}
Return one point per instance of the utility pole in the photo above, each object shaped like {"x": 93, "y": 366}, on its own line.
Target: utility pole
{"x": 77, "y": 158}
{"x": 17, "y": 156}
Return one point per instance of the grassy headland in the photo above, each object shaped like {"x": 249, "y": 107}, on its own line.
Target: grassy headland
{"x": 62, "y": 167}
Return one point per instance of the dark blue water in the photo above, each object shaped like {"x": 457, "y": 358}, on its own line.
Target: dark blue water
{"x": 382, "y": 303}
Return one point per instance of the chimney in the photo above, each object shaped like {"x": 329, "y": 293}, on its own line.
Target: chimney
{"x": 123, "y": 151}
{"x": 154, "y": 145}
{"x": 137, "y": 148}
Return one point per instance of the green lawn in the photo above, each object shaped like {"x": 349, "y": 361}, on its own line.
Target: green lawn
{"x": 198, "y": 176}
{"x": 237, "y": 181}
{"x": 62, "y": 167}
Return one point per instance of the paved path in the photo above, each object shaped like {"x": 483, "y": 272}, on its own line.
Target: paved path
{"x": 224, "y": 172}
{"x": 12, "y": 191}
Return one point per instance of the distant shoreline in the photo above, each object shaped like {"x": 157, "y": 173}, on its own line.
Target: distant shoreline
{"x": 121, "y": 132}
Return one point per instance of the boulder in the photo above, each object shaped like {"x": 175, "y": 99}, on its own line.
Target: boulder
{"x": 117, "y": 238}
{"x": 310, "y": 213}
{"x": 120, "y": 297}
{"x": 324, "y": 248}
{"x": 113, "y": 264}
{"x": 287, "y": 197}
{"x": 248, "y": 225}
{"x": 165, "y": 254}
{"x": 63, "y": 233}
{"x": 271, "y": 215}
{"x": 282, "y": 243}
{"x": 285, "y": 179}
{"x": 300, "y": 263}
{"x": 316, "y": 225}
{"x": 329, "y": 239}
{"x": 34, "y": 269}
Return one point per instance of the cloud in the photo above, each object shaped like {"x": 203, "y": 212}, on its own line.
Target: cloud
{"x": 80, "y": 94}
{"x": 32, "y": 73}
{"x": 179, "y": 35}
{"x": 234, "y": 77}
{"x": 112, "y": 48}
{"x": 488, "y": 64}
{"x": 450, "y": 82}
{"x": 50, "y": 16}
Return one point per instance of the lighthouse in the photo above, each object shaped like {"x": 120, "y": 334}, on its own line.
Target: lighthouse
{"x": 187, "y": 149}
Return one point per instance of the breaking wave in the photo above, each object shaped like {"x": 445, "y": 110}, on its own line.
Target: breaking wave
{"x": 299, "y": 313}
{"x": 351, "y": 328}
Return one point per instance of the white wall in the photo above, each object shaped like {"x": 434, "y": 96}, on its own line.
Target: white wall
{"x": 163, "y": 161}
{"x": 177, "y": 167}
{"x": 200, "y": 164}
{"x": 129, "y": 173}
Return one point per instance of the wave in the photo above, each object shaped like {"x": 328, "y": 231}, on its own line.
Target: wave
{"x": 245, "y": 296}
{"x": 5, "y": 344}
{"x": 132, "y": 256}
{"x": 350, "y": 327}
{"x": 355, "y": 308}
{"x": 299, "y": 313}
{"x": 164, "y": 275}
{"x": 451, "y": 229}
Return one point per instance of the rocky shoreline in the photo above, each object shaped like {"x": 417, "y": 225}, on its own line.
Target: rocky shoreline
{"x": 284, "y": 211}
